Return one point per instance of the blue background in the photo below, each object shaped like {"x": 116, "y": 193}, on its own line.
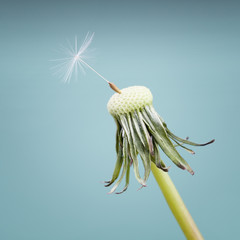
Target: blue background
{"x": 57, "y": 141}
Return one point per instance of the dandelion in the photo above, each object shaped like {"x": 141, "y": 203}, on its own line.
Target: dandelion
{"x": 140, "y": 132}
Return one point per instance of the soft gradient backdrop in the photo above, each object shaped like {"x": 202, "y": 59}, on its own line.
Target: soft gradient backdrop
{"x": 57, "y": 141}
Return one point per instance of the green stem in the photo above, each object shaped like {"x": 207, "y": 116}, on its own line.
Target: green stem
{"x": 176, "y": 204}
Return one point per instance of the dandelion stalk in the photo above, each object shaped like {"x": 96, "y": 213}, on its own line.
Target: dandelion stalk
{"x": 176, "y": 204}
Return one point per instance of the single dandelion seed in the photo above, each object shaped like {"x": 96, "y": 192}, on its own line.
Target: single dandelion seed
{"x": 75, "y": 60}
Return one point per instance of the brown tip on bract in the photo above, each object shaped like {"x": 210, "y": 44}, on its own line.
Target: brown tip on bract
{"x": 191, "y": 171}
{"x": 114, "y": 87}
{"x": 142, "y": 187}
{"x": 204, "y": 144}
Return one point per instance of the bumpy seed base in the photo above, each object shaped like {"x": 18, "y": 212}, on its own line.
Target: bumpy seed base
{"x": 130, "y": 99}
